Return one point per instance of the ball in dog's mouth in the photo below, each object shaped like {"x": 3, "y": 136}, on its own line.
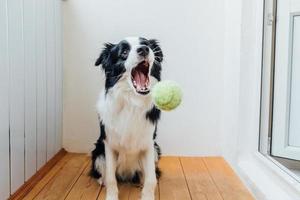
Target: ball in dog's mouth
{"x": 140, "y": 78}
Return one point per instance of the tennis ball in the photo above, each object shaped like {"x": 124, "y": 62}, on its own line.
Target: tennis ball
{"x": 166, "y": 95}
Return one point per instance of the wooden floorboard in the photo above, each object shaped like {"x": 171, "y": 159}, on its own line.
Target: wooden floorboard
{"x": 172, "y": 184}
{"x": 85, "y": 188}
{"x": 45, "y": 180}
{"x": 199, "y": 181}
{"x": 135, "y": 193}
{"x": 227, "y": 182}
{"x": 183, "y": 178}
{"x": 59, "y": 187}
{"x": 102, "y": 194}
{"x": 124, "y": 192}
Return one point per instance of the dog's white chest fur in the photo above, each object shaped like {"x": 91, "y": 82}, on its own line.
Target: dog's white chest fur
{"x": 126, "y": 149}
{"x": 124, "y": 115}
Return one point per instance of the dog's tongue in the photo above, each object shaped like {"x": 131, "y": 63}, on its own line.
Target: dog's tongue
{"x": 140, "y": 80}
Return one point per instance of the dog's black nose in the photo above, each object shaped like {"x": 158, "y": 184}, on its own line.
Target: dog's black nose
{"x": 143, "y": 51}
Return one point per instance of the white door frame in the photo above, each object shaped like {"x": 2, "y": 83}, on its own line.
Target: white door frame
{"x": 260, "y": 173}
{"x": 280, "y": 87}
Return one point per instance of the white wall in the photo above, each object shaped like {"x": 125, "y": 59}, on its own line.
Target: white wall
{"x": 192, "y": 37}
{"x": 229, "y": 130}
{"x": 242, "y": 77}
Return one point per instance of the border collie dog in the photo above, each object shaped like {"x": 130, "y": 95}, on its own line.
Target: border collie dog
{"x": 126, "y": 150}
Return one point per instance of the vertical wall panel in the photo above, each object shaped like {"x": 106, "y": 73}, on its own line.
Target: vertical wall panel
{"x": 50, "y": 58}
{"x": 41, "y": 83}
{"x": 4, "y": 104}
{"x": 16, "y": 65}
{"x": 30, "y": 87}
{"x": 58, "y": 73}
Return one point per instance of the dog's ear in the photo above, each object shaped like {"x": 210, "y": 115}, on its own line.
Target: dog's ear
{"x": 104, "y": 54}
{"x": 154, "y": 45}
{"x": 158, "y": 56}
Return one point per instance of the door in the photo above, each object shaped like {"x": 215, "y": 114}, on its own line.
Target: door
{"x": 286, "y": 106}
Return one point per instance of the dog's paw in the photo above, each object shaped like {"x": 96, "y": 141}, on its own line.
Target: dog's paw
{"x": 100, "y": 181}
{"x": 147, "y": 197}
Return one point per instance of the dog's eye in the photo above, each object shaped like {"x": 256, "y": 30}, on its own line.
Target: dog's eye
{"x": 124, "y": 53}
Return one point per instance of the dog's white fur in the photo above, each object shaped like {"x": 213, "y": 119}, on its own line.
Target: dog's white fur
{"x": 129, "y": 144}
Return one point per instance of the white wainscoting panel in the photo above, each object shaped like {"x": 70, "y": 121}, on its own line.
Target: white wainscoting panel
{"x": 41, "y": 83}
{"x": 58, "y": 74}
{"x": 4, "y": 103}
{"x": 50, "y": 64}
{"x": 30, "y": 86}
{"x": 30, "y": 89}
{"x": 17, "y": 93}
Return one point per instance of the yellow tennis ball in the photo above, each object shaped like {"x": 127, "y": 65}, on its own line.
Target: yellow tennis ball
{"x": 166, "y": 95}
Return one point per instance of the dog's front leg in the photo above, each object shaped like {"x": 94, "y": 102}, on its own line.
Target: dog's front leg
{"x": 110, "y": 174}
{"x": 148, "y": 162}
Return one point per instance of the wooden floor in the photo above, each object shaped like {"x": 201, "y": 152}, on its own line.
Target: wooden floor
{"x": 207, "y": 178}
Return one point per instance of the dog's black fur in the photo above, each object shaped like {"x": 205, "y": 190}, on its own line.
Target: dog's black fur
{"x": 112, "y": 60}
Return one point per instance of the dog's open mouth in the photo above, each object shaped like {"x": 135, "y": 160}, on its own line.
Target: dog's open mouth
{"x": 140, "y": 78}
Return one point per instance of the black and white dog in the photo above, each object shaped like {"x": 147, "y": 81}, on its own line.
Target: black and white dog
{"x": 126, "y": 149}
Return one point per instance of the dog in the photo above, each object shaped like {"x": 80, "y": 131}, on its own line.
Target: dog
{"x": 126, "y": 150}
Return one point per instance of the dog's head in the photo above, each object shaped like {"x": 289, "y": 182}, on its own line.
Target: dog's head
{"x": 134, "y": 61}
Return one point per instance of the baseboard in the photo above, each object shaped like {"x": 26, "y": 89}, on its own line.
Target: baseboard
{"x": 28, "y": 185}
